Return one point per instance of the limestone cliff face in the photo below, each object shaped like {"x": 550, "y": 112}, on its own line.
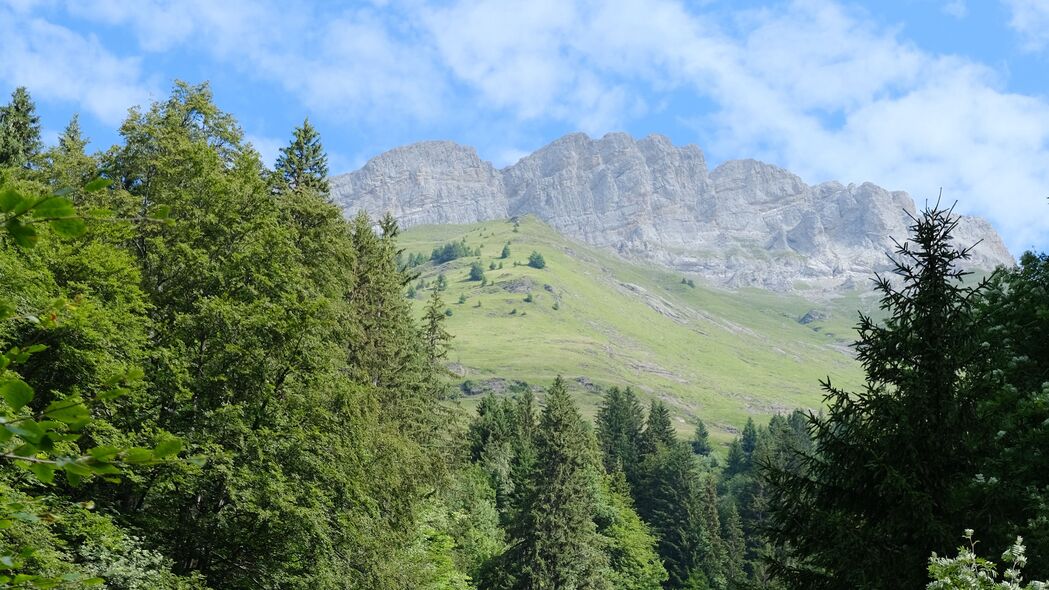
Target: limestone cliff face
{"x": 425, "y": 183}
{"x": 745, "y": 223}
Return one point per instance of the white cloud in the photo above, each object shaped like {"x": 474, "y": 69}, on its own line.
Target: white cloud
{"x": 59, "y": 64}
{"x": 1030, "y": 18}
{"x": 812, "y": 85}
{"x": 956, "y": 8}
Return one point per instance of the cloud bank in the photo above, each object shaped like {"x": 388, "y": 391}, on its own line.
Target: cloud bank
{"x": 815, "y": 86}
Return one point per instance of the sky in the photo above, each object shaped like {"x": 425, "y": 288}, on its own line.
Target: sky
{"x": 915, "y": 95}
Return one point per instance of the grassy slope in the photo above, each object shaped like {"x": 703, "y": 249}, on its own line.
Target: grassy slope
{"x": 719, "y": 355}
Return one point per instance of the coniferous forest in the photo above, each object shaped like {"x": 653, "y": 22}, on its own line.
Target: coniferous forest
{"x": 212, "y": 379}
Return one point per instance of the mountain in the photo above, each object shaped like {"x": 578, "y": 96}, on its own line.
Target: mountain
{"x": 601, "y": 320}
{"x": 745, "y": 223}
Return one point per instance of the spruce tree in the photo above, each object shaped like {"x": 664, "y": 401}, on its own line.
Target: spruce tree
{"x": 303, "y": 164}
{"x": 555, "y": 541}
{"x": 701, "y": 440}
{"x": 620, "y": 423}
{"x": 735, "y": 543}
{"x": 659, "y": 431}
{"x": 67, "y": 164}
{"x": 19, "y": 131}
{"x": 669, "y": 499}
{"x": 435, "y": 338}
{"x": 886, "y": 483}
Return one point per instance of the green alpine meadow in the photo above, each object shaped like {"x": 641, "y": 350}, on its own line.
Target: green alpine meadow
{"x": 271, "y": 331}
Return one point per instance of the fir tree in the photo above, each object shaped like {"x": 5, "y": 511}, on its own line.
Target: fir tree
{"x": 555, "y": 541}
{"x": 701, "y": 440}
{"x": 659, "y": 431}
{"x": 620, "y": 423}
{"x": 476, "y": 272}
{"x": 19, "y": 131}
{"x": 890, "y": 468}
{"x": 435, "y": 336}
{"x": 669, "y": 499}
{"x": 506, "y": 251}
{"x": 536, "y": 260}
{"x": 303, "y": 164}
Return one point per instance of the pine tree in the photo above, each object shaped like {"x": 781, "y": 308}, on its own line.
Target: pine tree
{"x": 476, "y": 272}
{"x": 620, "y": 423}
{"x": 701, "y": 440}
{"x": 66, "y": 164}
{"x": 435, "y": 336}
{"x": 506, "y": 251}
{"x": 555, "y": 541}
{"x": 659, "y": 431}
{"x": 536, "y": 260}
{"x": 19, "y": 131}
{"x": 735, "y": 543}
{"x": 749, "y": 439}
{"x": 669, "y": 499}
{"x": 303, "y": 164}
{"x": 890, "y": 470}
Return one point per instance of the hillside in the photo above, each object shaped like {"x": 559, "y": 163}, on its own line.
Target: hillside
{"x": 717, "y": 354}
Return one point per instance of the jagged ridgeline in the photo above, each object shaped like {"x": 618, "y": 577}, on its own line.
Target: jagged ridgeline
{"x": 745, "y": 223}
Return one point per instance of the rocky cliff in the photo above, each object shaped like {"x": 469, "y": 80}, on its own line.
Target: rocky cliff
{"x": 745, "y": 223}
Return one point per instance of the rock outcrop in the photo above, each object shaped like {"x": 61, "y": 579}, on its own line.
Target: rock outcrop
{"x": 745, "y": 223}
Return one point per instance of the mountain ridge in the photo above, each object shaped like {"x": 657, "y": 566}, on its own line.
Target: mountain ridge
{"x": 744, "y": 223}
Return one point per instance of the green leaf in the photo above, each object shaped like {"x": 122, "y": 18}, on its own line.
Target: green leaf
{"x": 9, "y": 199}
{"x": 160, "y": 212}
{"x": 27, "y": 430}
{"x": 69, "y": 227}
{"x": 17, "y": 393}
{"x": 67, "y": 411}
{"x": 45, "y": 472}
{"x": 54, "y": 207}
{"x": 138, "y": 455}
{"x": 97, "y": 184}
{"x": 104, "y": 452}
{"x": 23, "y": 235}
{"x": 167, "y": 447}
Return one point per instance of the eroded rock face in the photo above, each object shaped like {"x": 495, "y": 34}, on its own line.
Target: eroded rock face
{"x": 424, "y": 183}
{"x": 746, "y": 223}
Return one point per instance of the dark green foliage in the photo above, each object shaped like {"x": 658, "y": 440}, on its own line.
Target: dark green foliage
{"x": 536, "y": 260}
{"x": 450, "y": 251}
{"x": 506, "y": 252}
{"x": 620, "y": 422}
{"x": 890, "y": 469}
{"x": 19, "y": 131}
{"x": 303, "y": 164}
{"x": 669, "y": 498}
{"x": 555, "y": 543}
{"x": 701, "y": 440}
{"x": 1014, "y": 483}
{"x": 442, "y": 282}
{"x": 476, "y": 272}
{"x": 659, "y": 432}
{"x": 528, "y": 298}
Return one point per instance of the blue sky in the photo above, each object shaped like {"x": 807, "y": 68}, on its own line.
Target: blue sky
{"x": 914, "y": 95}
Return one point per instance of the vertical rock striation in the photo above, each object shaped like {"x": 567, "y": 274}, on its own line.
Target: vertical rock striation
{"x": 745, "y": 223}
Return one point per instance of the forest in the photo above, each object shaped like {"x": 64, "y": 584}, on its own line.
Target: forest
{"x": 211, "y": 379}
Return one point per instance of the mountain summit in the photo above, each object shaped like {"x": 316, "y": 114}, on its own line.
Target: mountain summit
{"x": 745, "y": 223}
